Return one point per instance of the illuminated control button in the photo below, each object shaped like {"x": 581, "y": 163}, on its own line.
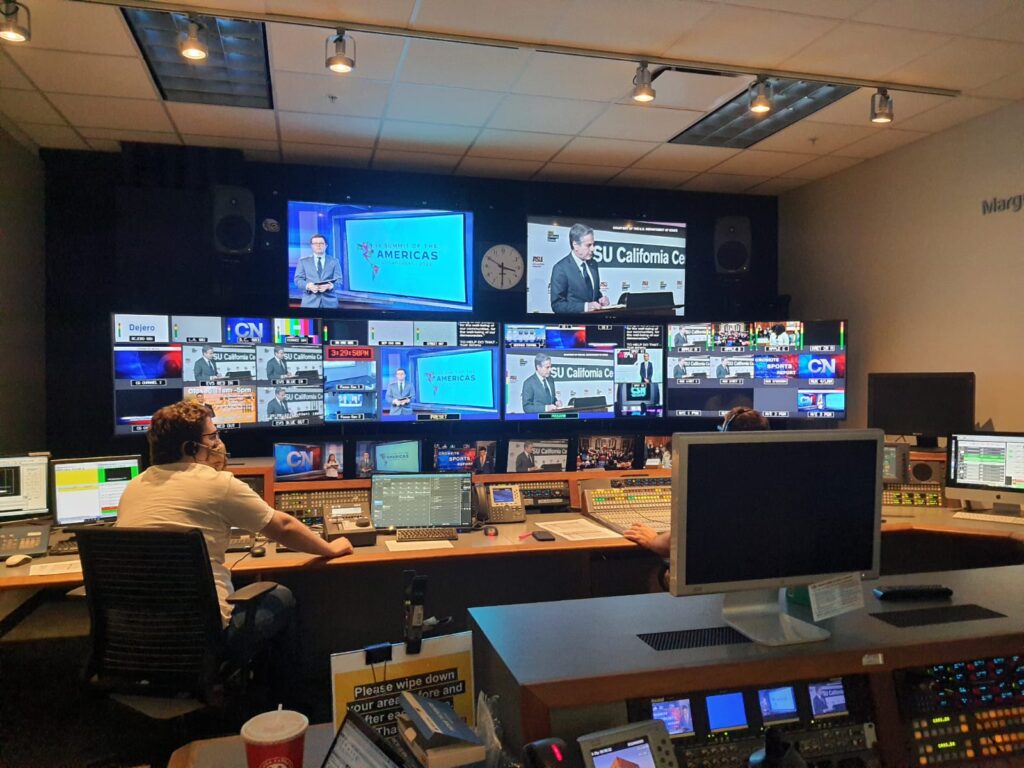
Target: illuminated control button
{"x": 970, "y": 754}
{"x": 922, "y": 760}
{"x": 964, "y": 728}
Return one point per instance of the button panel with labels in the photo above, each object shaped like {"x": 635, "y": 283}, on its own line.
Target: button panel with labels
{"x": 545, "y": 495}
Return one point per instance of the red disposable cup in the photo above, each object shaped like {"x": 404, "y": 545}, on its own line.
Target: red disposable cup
{"x": 275, "y": 739}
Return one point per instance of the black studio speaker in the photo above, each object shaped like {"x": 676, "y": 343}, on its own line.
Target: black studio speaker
{"x": 927, "y": 470}
{"x": 234, "y": 220}
{"x": 732, "y": 245}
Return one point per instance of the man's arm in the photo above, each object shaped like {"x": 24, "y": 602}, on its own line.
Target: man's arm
{"x": 285, "y": 529}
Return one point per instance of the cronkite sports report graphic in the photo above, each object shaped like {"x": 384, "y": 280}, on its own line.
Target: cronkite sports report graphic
{"x": 633, "y": 264}
{"x": 380, "y": 257}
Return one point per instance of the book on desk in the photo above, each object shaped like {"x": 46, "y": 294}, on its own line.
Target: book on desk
{"x": 435, "y": 735}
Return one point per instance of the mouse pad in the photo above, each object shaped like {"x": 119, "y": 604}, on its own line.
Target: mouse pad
{"x": 945, "y": 614}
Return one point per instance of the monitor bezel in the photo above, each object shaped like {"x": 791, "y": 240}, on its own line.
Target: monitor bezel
{"x": 465, "y": 515}
{"x": 904, "y": 378}
{"x": 54, "y": 463}
{"x": 21, "y": 515}
{"x": 983, "y": 494}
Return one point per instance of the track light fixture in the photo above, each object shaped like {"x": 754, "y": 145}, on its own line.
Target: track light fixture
{"x": 11, "y": 28}
{"x": 642, "y": 90}
{"x": 881, "y": 106}
{"x": 191, "y": 46}
{"x": 340, "y": 61}
{"x": 759, "y": 96}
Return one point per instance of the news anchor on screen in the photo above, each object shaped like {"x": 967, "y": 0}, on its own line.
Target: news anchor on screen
{"x": 206, "y": 366}
{"x": 277, "y": 366}
{"x": 576, "y": 280}
{"x": 278, "y": 406}
{"x": 399, "y": 394}
{"x": 316, "y": 275}
{"x": 482, "y": 463}
{"x": 539, "y": 389}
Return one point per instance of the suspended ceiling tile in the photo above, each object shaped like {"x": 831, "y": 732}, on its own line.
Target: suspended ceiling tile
{"x": 1008, "y": 25}
{"x": 1009, "y": 87}
{"x": 855, "y": 109}
{"x": 53, "y": 136}
{"x": 930, "y": 16}
{"x": 884, "y": 141}
{"x": 11, "y": 75}
{"x": 321, "y": 154}
{"x": 541, "y": 113}
{"x": 680, "y": 157}
{"x": 552, "y": 74}
{"x": 648, "y": 123}
{"x": 426, "y": 137}
{"x": 215, "y": 120}
{"x": 86, "y": 73}
{"x": 522, "y": 19}
{"x": 837, "y": 9}
{"x": 953, "y": 112}
{"x": 392, "y": 160}
{"x": 584, "y": 150}
{"x": 327, "y": 95}
{"x": 85, "y": 27}
{"x": 639, "y": 26}
{"x": 749, "y": 36}
{"x": 145, "y": 137}
{"x": 518, "y": 145}
{"x": 815, "y": 138}
{"x": 393, "y": 12}
{"x": 651, "y": 179}
{"x": 434, "y": 62}
{"x": 963, "y": 63}
{"x": 722, "y": 182}
{"x": 259, "y": 145}
{"x": 702, "y": 93}
{"x": 492, "y": 167}
{"x": 301, "y": 49}
{"x": 28, "y": 107}
{"x": 107, "y": 112}
{"x": 776, "y": 186}
{"x": 580, "y": 174}
{"x": 863, "y": 51}
{"x": 822, "y": 167}
{"x": 299, "y": 127}
{"x": 754, "y": 162}
{"x": 433, "y": 104}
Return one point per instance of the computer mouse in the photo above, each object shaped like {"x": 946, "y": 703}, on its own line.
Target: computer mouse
{"x": 15, "y": 560}
{"x": 490, "y": 530}
{"x": 258, "y": 551}
{"x": 363, "y": 522}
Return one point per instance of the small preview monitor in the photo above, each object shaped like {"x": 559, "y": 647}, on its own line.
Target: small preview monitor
{"x": 828, "y": 699}
{"x": 726, "y": 712}
{"x": 658, "y": 451}
{"x": 895, "y": 458}
{"x": 334, "y": 460}
{"x": 298, "y": 461}
{"x": 89, "y": 490}
{"x": 986, "y": 468}
{"x": 676, "y": 714}
{"x": 401, "y": 456}
{"x": 23, "y": 491}
{"x": 359, "y": 744}
{"x": 537, "y": 455}
{"x": 927, "y": 405}
{"x": 778, "y": 705}
{"x": 421, "y": 501}
{"x": 454, "y": 457}
{"x": 605, "y": 452}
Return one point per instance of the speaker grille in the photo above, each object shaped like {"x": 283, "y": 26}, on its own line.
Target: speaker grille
{"x": 234, "y": 233}
{"x": 733, "y": 257}
{"x": 683, "y": 639}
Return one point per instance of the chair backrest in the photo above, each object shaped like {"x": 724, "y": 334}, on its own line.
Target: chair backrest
{"x": 156, "y": 625}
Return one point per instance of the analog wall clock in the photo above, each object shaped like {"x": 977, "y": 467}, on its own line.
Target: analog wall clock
{"x": 502, "y": 267}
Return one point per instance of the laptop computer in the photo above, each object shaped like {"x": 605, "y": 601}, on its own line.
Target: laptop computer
{"x": 358, "y": 745}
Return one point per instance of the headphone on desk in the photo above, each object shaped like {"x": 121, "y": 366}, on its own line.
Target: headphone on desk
{"x": 724, "y": 426}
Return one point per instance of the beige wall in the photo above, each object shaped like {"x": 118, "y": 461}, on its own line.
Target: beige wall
{"x": 899, "y": 246}
{"x": 22, "y": 300}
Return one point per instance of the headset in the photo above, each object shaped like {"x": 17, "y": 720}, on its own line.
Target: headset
{"x": 191, "y": 448}
{"x": 724, "y": 426}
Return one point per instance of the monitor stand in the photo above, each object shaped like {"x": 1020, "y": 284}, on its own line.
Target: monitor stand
{"x": 757, "y": 614}
{"x": 998, "y": 508}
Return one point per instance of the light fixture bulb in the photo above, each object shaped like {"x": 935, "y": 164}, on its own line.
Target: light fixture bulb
{"x": 11, "y": 28}
{"x": 191, "y": 47}
{"x": 881, "y": 106}
{"x": 760, "y": 96}
{"x": 340, "y": 61}
{"x": 642, "y": 90}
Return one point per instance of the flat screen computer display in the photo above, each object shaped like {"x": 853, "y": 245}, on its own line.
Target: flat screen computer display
{"x": 394, "y": 457}
{"x": 23, "y": 491}
{"x": 421, "y": 501}
{"x": 928, "y": 405}
{"x": 986, "y": 468}
{"x": 787, "y": 369}
{"x": 583, "y": 371}
{"x": 575, "y": 265}
{"x": 605, "y": 452}
{"x": 378, "y": 257}
{"x": 411, "y": 370}
{"x": 89, "y": 490}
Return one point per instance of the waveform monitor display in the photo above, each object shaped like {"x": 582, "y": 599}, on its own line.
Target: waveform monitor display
{"x": 785, "y": 369}
{"x": 343, "y": 256}
{"x": 583, "y": 371}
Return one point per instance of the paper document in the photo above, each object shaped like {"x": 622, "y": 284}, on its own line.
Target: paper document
{"x": 49, "y": 569}
{"x": 578, "y": 530}
{"x": 410, "y": 546}
{"x": 833, "y": 597}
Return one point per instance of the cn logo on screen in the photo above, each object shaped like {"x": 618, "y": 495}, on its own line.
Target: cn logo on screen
{"x": 247, "y": 330}
{"x": 300, "y": 461}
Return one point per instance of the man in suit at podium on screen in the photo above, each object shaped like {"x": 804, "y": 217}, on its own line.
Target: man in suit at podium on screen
{"x": 206, "y": 366}
{"x": 539, "y": 389}
{"x": 278, "y": 405}
{"x": 576, "y": 280}
{"x": 525, "y": 461}
{"x": 646, "y": 369}
{"x": 277, "y": 366}
{"x": 399, "y": 395}
{"x": 317, "y": 274}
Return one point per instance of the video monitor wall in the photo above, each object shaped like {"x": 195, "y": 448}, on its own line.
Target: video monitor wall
{"x": 583, "y": 371}
{"x": 576, "y": 266}
{"x": 406, "y": 370}
{"x": 785, "y": 369}
{"x": 375, "y": 257}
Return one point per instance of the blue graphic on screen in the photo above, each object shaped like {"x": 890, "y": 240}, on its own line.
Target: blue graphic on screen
{"x": 248, "y": 330}
{"x": 293, "y": 460}
{"x": 147, "y": 363}
{"x": 459, "y": 379}
{"x": 726, "y": 712}
{"x": 402, "y": 456}
{"x": 809, "y": 400}
{"x": 777, "y": 704}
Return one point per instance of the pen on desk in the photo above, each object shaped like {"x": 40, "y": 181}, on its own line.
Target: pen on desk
{"x": 526, "y": 535}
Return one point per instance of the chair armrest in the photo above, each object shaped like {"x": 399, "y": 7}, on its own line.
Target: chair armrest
{"x": 251, "y": 592}
{"x": 76, "y": 592}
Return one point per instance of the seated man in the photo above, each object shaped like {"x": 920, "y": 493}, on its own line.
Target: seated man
{"x": 185, "y": 487}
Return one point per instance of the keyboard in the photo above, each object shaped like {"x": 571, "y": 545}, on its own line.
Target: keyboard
{"x": 66, "y": 547}
{"x": 426, "y": 534}
{"x": 988, "y": 518}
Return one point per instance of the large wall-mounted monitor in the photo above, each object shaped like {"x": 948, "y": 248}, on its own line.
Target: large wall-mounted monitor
{"x": 583, "y": 371}
{"x": 580, "y": 265}
{"x": 928, "y": 405}
{"x": 379, "y": 258}
{"x": 787, "y": 369}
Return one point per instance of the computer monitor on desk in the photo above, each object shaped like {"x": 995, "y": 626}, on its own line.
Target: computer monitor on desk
{"x": 89, "y": 490}
{"x": 986, "y": 469}
{"x": 756, "y": 511}
{"x": 22, "y": 487}
{"x": 421, "y": 501}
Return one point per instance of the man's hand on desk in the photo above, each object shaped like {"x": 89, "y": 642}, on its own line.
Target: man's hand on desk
{"x": 341, "y": 547}
{"x": 647, "y": 537}
{"x": 285, "y": 529}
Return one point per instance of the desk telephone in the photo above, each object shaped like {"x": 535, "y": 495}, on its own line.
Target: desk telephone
{"x": 499, "y": 503}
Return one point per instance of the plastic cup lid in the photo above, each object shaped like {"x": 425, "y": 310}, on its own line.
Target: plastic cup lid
{"x": 274, "y": 727}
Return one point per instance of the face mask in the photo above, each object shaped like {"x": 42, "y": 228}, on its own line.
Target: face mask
{"x": 217, "y": 455}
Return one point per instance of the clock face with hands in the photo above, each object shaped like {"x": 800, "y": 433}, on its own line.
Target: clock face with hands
{"x": 502, "y": 267}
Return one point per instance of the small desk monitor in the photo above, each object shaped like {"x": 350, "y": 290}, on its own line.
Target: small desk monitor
{"x": 756, "y": 511}
{"x": 89, "y": 490}
{"x": 23, "y": 487}
{"x": 928, "y": 405}
{"x": 986, "y": 469}
{"x": 421, "y": 501}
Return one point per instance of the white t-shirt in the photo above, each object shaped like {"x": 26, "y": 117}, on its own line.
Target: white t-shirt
{"x": 190, "y": 495}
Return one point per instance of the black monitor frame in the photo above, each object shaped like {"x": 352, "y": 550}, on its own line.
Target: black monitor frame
{"x": 927, "y": 405}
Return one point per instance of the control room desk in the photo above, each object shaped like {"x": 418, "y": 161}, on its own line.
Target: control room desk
{"x": 566, "y": 668}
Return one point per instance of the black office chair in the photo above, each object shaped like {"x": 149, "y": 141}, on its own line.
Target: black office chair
{"x": 157, "y": 638}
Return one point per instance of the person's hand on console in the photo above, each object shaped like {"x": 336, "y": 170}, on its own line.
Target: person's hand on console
{"x": 341, "y": 546}
{"x": 285, "y": 529}
{"x": 650, "y": 539}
